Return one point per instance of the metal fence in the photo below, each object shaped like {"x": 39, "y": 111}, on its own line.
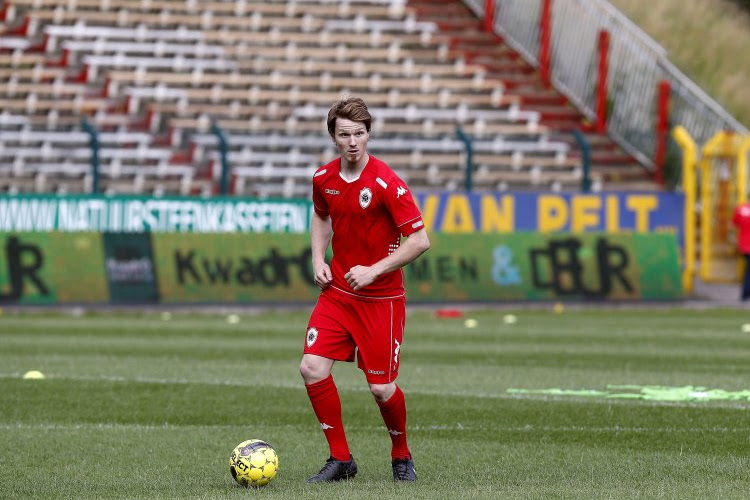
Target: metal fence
{"x": 636, "y": 66}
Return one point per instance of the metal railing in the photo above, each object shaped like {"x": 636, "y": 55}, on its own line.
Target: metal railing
{"x": 637, "y": 65}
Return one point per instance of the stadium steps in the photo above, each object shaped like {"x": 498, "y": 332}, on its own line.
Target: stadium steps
{"x": 460, "y": 32}
{"x": 145, "y": 117}
{"x": 464, "y": 33}
{"x": 116, "y": 110}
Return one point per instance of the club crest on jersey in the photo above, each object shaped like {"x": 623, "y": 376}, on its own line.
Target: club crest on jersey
{"x": 365, "y": 197}
{"x": 312, "y": 336}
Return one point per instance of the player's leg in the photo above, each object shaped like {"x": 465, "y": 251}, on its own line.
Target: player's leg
{"x": 380, "y": 356}
{"x": 325, "y": 342}
{"x": 324, "y": 398}
{"x": 392, "y": 403}
{"x": 325, "y": 401}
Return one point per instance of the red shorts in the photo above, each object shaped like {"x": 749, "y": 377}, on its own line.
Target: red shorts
{"x": 340, "y": 325}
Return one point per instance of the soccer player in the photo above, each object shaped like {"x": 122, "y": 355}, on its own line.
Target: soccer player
{"x": 741, "y": 220}
{"x": 362, "y": 209}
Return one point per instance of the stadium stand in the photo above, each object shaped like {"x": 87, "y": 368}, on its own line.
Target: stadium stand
{"x": 153, "y": 76}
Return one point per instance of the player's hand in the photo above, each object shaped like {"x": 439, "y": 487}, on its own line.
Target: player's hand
{"x": 323, "y": 276}
{"x": 359, "y": 277}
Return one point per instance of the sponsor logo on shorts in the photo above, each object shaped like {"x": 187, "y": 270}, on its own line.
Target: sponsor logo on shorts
{"x": 376, "y": 372}
{"x": 312, "y": 336}
{"x": 396, "y": 351}
{"x": 365, "y": 197}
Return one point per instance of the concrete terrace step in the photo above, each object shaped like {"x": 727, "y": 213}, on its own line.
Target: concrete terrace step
{"x": 473, "y": 36}
{"x": 513, "y": 80}
{"x": 605, "y": 157}
{"x": 480, "y": 45}
{"x": 605, "y": 153}
{"x": 439, "y": 8}
{"x": 450, "y": 25}
{"x": 595, "y": 140}
{"x": 626, "y": 172}
{"x": 531, "y": 98}
{"x": 508, "y": 62}
{"x": 563, "y": 113}
{"x": 566, "y": 126}
{"x": 505, "y": 65}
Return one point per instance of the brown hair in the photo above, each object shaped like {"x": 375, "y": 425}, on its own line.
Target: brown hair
{"x": 350, "y": 108}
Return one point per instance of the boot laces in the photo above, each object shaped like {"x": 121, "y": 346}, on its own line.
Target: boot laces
{"x": 330, "y": 463}
{"x": 401, "y": 468}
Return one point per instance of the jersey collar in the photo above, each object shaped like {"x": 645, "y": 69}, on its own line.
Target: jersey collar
{"x": 349, "y": 181}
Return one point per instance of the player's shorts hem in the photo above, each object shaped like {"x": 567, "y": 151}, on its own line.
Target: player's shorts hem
{"x": 334, "y": 357}
{"x": 373, "y": 378}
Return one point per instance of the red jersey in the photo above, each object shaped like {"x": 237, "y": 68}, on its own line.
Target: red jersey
{"x": 368, "y": 216}
{"x": 741, "y": 220}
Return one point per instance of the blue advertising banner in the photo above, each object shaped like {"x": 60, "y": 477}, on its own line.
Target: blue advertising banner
{"x": 610, "y": 212}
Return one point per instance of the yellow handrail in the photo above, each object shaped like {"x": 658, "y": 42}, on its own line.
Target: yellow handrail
{"x": 687, "y": 144}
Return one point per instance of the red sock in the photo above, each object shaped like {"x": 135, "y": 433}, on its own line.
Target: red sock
{"x": 394, "y": 416}
{"x": 327, "y": 407}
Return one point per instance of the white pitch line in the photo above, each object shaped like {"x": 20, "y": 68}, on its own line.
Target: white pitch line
{"x": 457, "y": 427}
{"x": 168, "y": 426}
{"x": 159, "y": 381}
{"x": 425, "y": 392}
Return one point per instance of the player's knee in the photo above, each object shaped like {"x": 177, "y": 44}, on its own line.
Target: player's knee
{"x": 311, "y": 371}
{"x": 382, "y": 392}
{"x": 306, "y": 370}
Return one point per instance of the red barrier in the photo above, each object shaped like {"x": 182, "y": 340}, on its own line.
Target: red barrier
{"x": 662, "y": 130}
{"x": 545, "y": 35}
{"x": 601, "y": 92}
{"x": 489, "y": 16}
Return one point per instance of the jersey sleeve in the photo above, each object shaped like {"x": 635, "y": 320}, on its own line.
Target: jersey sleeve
{"x": 401, "y": 205}
{"x": 319, "y": 202}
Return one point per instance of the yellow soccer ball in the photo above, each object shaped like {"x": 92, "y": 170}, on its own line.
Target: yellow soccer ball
{"x": 253, "y": 463}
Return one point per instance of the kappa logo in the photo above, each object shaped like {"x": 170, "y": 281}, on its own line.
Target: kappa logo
{"x": 394, "y": 432}
{"x": 312, "y": 336}
{"x": 400, "y": 190}
{"x": 396, "y": 351}
{"x": 325, "y": 426}
{"x": 365, "y": 197}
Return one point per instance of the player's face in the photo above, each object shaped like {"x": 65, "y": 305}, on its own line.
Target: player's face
{"x": 351, "y": 140}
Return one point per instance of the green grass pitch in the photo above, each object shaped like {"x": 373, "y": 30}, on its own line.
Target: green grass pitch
{"x": 140, "y": 406}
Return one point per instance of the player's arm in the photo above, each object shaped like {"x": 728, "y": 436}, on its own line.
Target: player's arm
{"x": 320, "y": 237}
{"x": 415, "y": 245}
